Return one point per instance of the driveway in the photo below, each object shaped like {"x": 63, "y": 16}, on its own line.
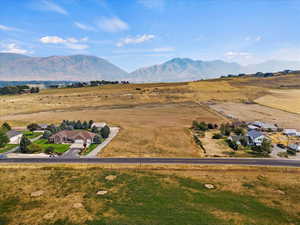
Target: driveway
{"x": 275, "y": 151}
{"x": 113, "y": 132}
{"x": 71, "y": 153}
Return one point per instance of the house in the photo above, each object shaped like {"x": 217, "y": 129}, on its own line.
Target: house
{"x": 72, "y": 136}
{"x": 99, "y": 125}
{"x": 255, "y": 137}
{"x": 257, "y": 125}
{"x": 42, "y": 126}
{"x": 295, "y": 147}
{"x": 290, "y": 132}
{"x": 14, "y": 136}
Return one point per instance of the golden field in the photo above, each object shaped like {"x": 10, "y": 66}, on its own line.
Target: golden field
{"x": 154, "y": 118}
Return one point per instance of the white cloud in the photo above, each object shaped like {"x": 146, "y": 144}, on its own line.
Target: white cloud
{"x": 253, "y": 39}
{"x": 113, "y": 24}
{"x": 6, "y": 28}
{"x": 136, "y": 40}
{"x": 164, "y": 49}
{"x": 13, "y": 48}
{"x": 47, "y": 5}
{"x": 84, "y": 26}
{"x": 234, "y": 55}
{"x": 153, "y": 4}
{"x": 71, "y": 43}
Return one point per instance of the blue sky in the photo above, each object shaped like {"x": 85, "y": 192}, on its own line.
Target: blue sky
{"x": 137, "y": 33}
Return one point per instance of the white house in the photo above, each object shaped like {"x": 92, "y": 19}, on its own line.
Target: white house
{"x": 290, "y": 132}
{"x": 255, "y": 137}
{"x": 14, "y": 136}
{"x": 295, "y": 147}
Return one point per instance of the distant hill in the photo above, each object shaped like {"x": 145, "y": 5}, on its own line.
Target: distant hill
{"x": 86, "y": 68}
{"x": 185, "y": 69}
{"x": 74, "y": 67}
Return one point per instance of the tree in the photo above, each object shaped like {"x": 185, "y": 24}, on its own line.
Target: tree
{"x": 49, "y": 150}
{"x": 225, "y": 129}
{"x": 3, "y": 138}
{"x": 97, "y": 139}
{"x": 6, "y": 126}
{"x": 32, "y": 148}
{"x": 33, "y": 127}
{"x": 24, "y": 144}
{"x": 85, "y": 125}
{"x": 266, "y": 147}
{"x": 90, "y": 124}
{"x": 46, "y": 134}
{"x": 233, "y": 144}
{"x": 95, "y": 130}
{"x": 78, "y": 125}
{"x": 239, "y": 131}
{"x": 105, "y": 131}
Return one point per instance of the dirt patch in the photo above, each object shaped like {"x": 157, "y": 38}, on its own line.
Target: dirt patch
{"x": 252, "y": 112}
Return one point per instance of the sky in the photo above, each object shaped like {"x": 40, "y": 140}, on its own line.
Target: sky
{"x": 138, "y": 33}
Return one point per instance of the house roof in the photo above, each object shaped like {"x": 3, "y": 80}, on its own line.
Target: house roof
{"x": 75, "y": 134}
{"x": 289, "y": 131}
{"x": 12, "y": 133}
{"x": 254, "y": 134}
{"x": 99, "y": 125}
{"x": 43, "y": 126}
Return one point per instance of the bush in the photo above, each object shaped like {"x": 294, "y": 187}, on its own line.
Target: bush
{"x": 105, "y": 131}
{"x": 49, "y": 150}
{"x": 232, "y": 144}
{"x": 32, "y": 148}
{"x": 291, "y": 152}
{"x": 3, "y": 138}
{"x": 33, "y": 127}
{"x": 217, "y": 136}
{"x": 202, "y": 126}
{"x": 97, "y": 139}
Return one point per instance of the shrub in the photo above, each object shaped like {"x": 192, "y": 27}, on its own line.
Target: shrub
{"x": 32, "y": 148}
{"x": 217, "y": 136}
{"x": 105, "y": 131}
{"x": 97, "y": 139}
{"x": 46, "y": 134}
{"x": 232, "y": 144}
{"x": 49, "y": 150}
{"x": 3, "y": 138}
{"x": 33, "y": 127}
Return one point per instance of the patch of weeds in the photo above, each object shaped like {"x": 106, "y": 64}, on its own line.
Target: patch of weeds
{"x": 31, "y": 204}
{"x": 6, "y": 206}
{"x": 62, "y": 222}
{"x": 248, "y": 185}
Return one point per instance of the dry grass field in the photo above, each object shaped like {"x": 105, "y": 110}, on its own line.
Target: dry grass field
{"x": 143, "y": 195}
{"x": 154, "y": 118}
{"x": 287, "y": 100}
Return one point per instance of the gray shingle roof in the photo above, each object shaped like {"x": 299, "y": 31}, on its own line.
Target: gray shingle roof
{"x": 12, "y": 133}
{"x": 254, "y": 134}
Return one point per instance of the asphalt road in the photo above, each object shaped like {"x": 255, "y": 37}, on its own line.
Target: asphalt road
{"x": 204, "y": 161}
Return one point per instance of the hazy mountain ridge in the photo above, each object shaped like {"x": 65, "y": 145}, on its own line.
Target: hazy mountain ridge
{"x": 74, "y": 67}
{"x": 86, "y": 68}
{"x": 184, "y": 69}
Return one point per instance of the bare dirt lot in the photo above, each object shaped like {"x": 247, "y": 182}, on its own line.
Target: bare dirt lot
{"x": 252, "y": 112}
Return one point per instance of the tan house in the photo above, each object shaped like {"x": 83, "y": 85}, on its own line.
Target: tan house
{"x": 71, "y": 136}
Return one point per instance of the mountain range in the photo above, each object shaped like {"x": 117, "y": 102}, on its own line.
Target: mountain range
{"x": 86, "y": 68}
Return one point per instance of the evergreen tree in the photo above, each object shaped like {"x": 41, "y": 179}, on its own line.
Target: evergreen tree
{"x": 97, "y": 139}
{"x": 24, "y": 144}
{"x": 3, "y": 138}
{"x": 90, "y": 124}
{"x": 105, "y": 131}
{"x": 6, "y": 126}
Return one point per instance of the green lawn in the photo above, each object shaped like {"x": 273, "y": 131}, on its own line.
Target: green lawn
{"x": 7, "y": 148}
{"x": 89, "y": 149}
{"x": 58, "y": 148}
{"x": 31, "y": 135}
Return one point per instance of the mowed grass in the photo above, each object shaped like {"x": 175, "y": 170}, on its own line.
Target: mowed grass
{"x": 58, "y": 148}
{"x": 144, "y": 197}
{"x": 89, "y": 149}
{"x": 7, "y": 147}
{"x": 31, "y": 134}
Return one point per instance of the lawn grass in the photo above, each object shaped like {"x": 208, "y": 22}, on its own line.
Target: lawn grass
{"x": 58, "y": 148}
{"x": 7, "y": 147}
{"x": 89, "y": 149}
{"x": 144, "y": 197}
{"x": 31, "y": 134}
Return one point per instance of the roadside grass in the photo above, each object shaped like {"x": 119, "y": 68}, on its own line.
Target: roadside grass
{"x": 7, "y": 147}
{"x": 31, "y": 134}
{"x": 58, "y": 148}
{"x": 144, "y": 197}
{"x": 89, "y": 149}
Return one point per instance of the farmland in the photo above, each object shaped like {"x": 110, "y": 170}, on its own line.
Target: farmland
{"x": 169, "y": 195}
